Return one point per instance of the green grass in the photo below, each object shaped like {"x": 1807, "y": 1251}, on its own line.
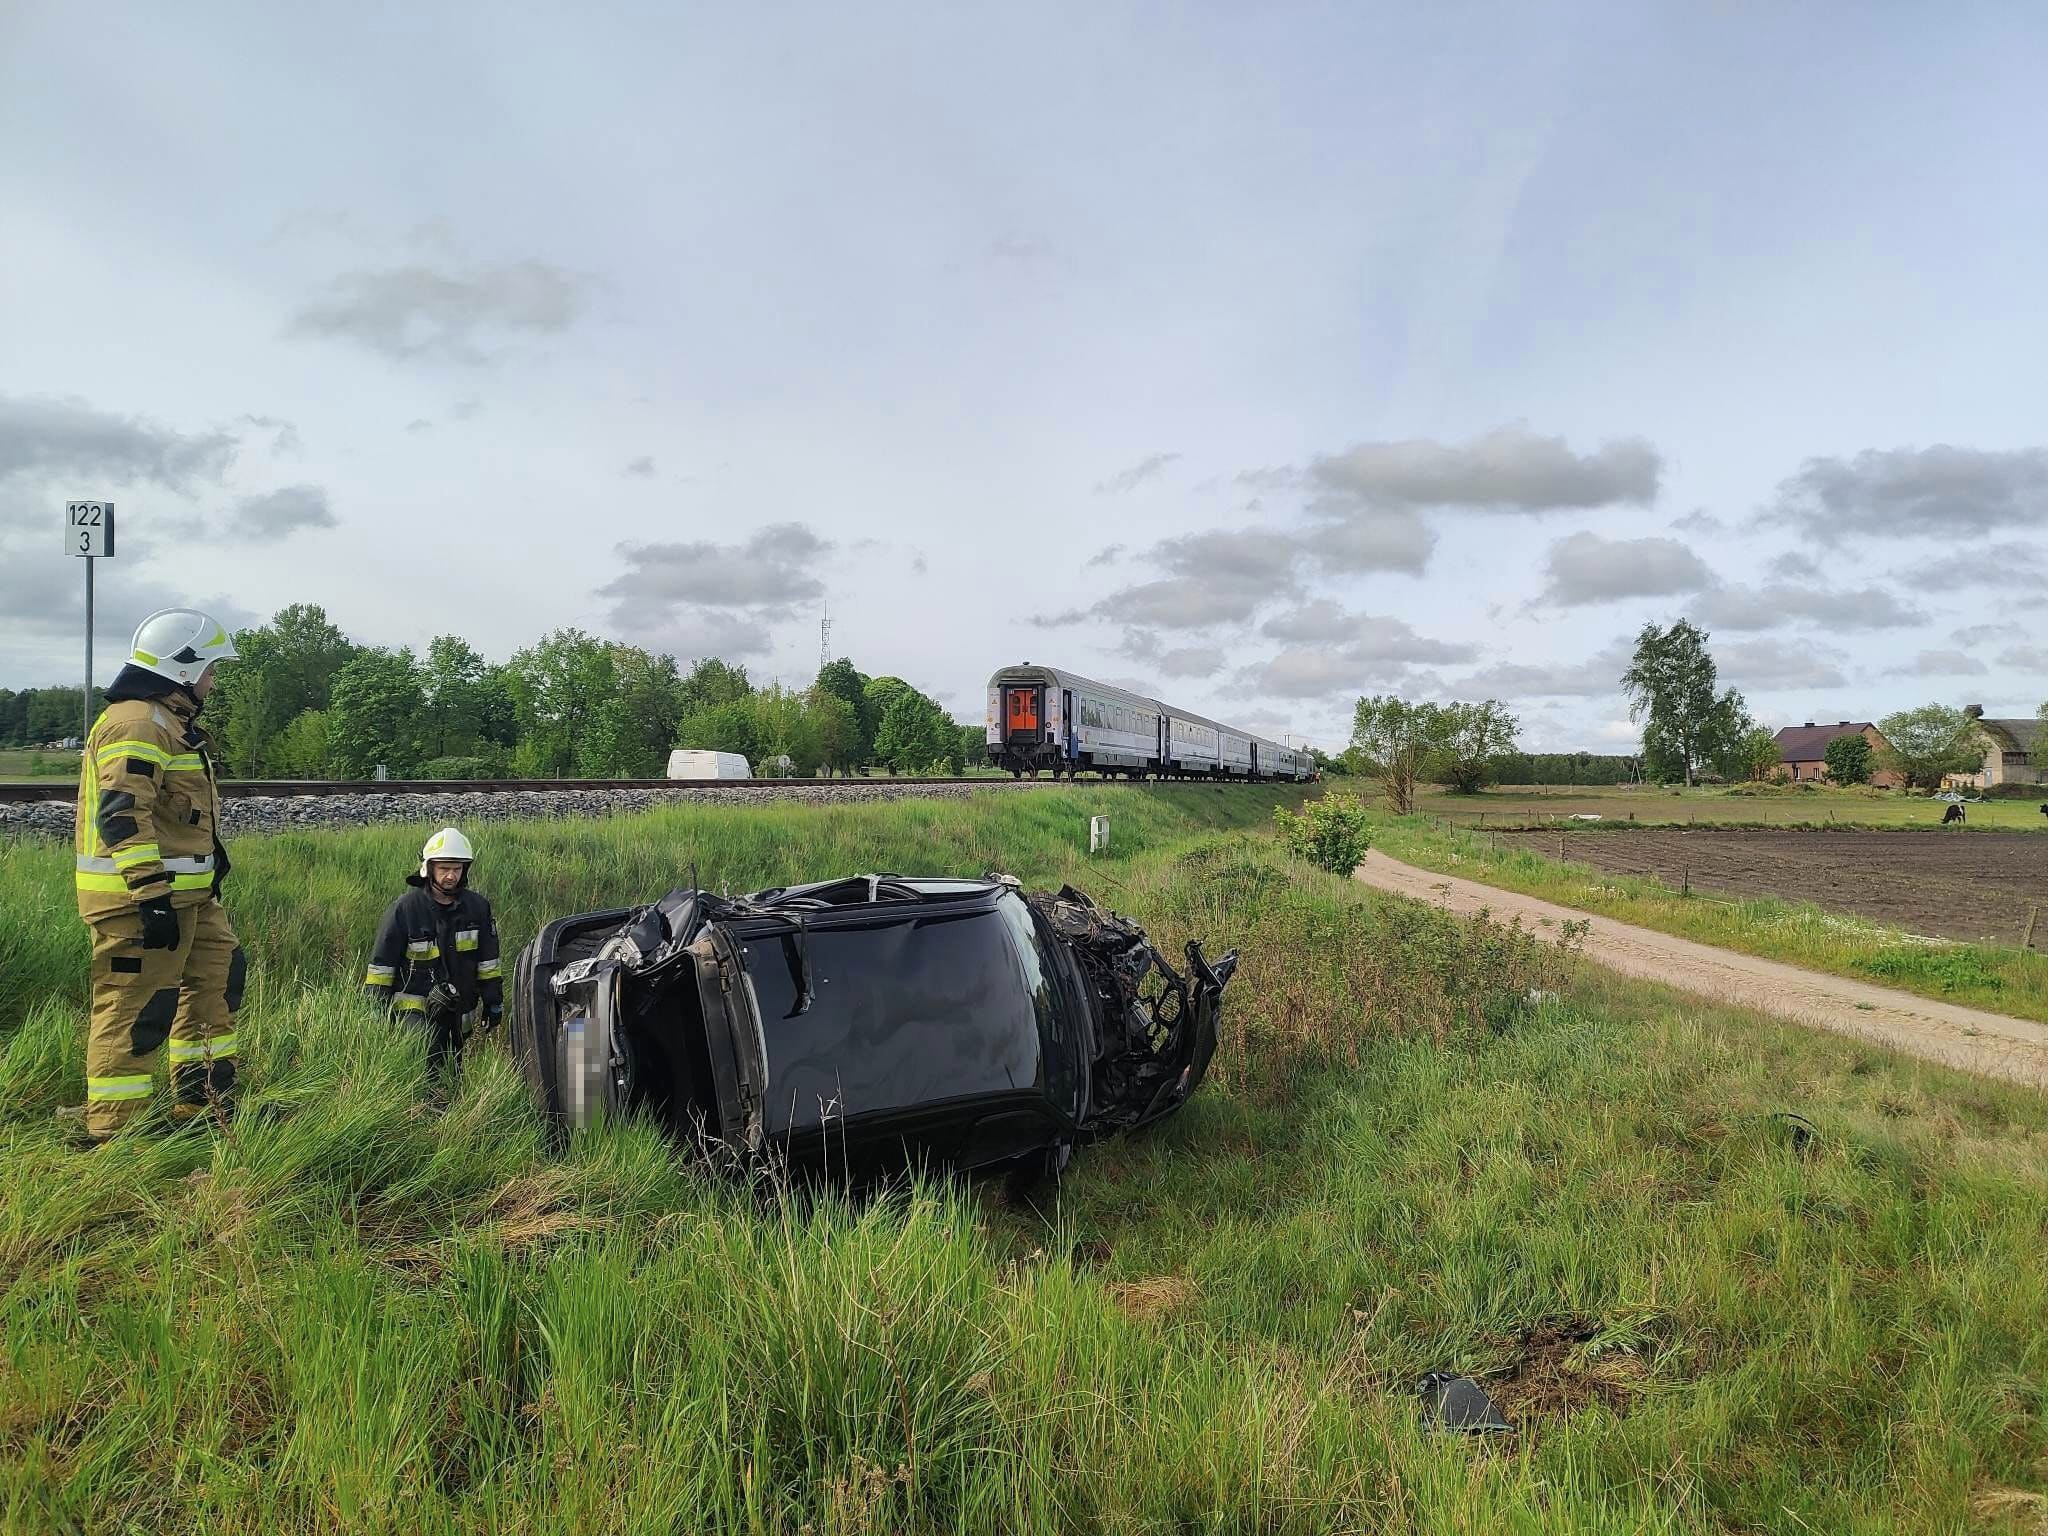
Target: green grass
{"x": 1742, "y": 805}
{"x": 2003, "y": 978}
{"x": 24, "y": 766}
{"x": 349, "y": 1313}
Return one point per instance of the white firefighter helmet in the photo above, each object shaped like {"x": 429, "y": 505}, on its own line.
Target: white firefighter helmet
{"x": 446, "y": 844}
{"x": 180, "y": 644}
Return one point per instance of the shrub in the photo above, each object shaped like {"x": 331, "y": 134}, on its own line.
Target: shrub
{"x": 1331, "y": 833}
{"x": 460, "y": 768}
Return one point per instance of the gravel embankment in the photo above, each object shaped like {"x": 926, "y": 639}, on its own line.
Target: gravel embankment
{"x": 52, "y": 818}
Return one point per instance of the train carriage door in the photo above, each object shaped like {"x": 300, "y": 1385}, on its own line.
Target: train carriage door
{"x": 1067, "y": 717}
{"x": 1255, "y": 759}
{"x": 1021, "y": 714}
{"x": 1164, "y": 733}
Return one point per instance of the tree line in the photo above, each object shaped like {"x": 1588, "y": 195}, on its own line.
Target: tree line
{"x": 33, "y": 717}
{"x": 304, "y": 701}
{"x": 1693, "y": 729}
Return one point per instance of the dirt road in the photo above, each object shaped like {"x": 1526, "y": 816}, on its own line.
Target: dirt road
{"x": 1989, "y": 1043}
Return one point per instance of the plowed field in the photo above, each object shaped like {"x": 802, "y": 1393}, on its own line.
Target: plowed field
{"x": 1953, "y": 884}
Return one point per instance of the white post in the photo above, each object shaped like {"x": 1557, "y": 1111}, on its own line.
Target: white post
{"x": 1098, "y": 834}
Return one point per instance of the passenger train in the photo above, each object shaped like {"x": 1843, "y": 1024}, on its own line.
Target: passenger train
{"x": 1043, "y": 719}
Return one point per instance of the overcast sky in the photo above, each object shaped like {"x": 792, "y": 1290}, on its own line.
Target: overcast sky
{"x": 1261, "y": 356}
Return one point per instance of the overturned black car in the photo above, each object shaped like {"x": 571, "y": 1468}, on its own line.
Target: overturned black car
{"x": 865, "y": 1025}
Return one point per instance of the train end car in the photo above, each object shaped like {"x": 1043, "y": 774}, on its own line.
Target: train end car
{"x": 1046, "y": 720}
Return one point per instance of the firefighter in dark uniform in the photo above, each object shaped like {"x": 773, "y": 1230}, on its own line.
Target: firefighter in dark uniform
{"x": 166, "y": 969}
{"x": 436, "y": 961}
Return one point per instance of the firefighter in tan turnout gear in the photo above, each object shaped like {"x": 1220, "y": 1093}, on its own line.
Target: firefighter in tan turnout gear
{"x": 166, "y": 970}
{"x": 436, "y": 956}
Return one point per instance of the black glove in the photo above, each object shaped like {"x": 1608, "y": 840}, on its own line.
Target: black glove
{"x": 159, "y": 923}
{"x": 221, "y": 865}
{"x": 492, "y": 1017}
{"x": 444, "y": 1003}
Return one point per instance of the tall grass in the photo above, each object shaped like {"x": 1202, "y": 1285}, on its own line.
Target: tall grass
{"x": 1425, "y": 1145}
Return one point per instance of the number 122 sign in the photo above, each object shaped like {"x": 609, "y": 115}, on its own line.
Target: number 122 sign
{"x": 89, "y": 528}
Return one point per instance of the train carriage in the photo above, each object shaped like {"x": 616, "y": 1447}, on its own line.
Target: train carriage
{"x": 1045, "y": 720}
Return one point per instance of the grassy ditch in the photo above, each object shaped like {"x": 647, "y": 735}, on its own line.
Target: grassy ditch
{"x": 2002, "y": 978}
{"x": 1426, "y": 1144}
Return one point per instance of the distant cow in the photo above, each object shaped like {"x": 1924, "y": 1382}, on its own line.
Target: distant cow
{"x": 1952, "y": 816}
{"x": 2044, "y": 807}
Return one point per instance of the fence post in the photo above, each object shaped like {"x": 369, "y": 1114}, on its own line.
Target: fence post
{"x": 1685, "y": 882}
{"x": 2033, "y": 913}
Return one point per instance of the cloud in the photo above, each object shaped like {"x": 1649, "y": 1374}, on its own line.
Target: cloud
{"x": 1357, "y": 539}
{"x": 1764, "y": 665}
{"x": 413, "y": 312}
{"x": 45, "y": 436}
{"x": 1130, "y": 479}
{"x": 1795, "y": 565}
{"x": 1994, "y": 565}
{"x": 1595, "y": 677}
{"x": 1698, "y": 520}
{"x": 1314, "y": 622}
{"x": 1274, "y": 477}
{"x": 1305, "y": 672}
{"x": 1941, "y": 664}
{"x": 773, "y": 569}
{"x": 642, "y": 466}
{"x": 1029, "y": 252}
{"x": 1777, "y": 604}
{"x": 1222, "y": 576}
{"x": 286, "y": 434}
{"x": 462, "y": 410}
{"x": 1192, "y": 661}
{"x": 418, "y": 425}
{"x": 2028, "y": 658}
{"x": 1377, "y": 650}
{"x": 1109, "y": 554}
{"x": 1918, "y": 493}
{"x": 1509, "y": 468}
{"x": 1141, "y": 645}
{"x": 1985, "y": 634}
{"x": 1585, "y": 568}
{"x": 697, "y": 632}
{"x": 918, "y": 567}
{"x": 279, "y": 514}
{"x": 38, "y": 607}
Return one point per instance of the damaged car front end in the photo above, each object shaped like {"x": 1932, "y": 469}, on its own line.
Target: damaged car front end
{"x": 867, "y": 1024}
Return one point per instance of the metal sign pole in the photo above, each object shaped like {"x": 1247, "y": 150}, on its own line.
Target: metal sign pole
{"x": 86, "y": 729}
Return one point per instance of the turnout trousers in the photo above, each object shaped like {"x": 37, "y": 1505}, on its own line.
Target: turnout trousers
{"x": 144, "y": 1000}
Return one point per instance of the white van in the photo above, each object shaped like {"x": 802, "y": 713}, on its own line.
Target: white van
{"x": 708, "y": 765}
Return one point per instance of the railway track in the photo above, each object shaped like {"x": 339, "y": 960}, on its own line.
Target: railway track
{"x": 285, "y": 789}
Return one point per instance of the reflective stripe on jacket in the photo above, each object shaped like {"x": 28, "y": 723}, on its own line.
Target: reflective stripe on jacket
{"x": 148, "y": 817}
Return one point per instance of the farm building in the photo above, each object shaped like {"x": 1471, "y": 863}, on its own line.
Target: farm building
{"x": 2013, "y": 754}
{"x": 1804, "y": 750}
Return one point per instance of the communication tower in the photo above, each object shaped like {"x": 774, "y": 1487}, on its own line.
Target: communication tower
{"x": 825, "y": 639}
